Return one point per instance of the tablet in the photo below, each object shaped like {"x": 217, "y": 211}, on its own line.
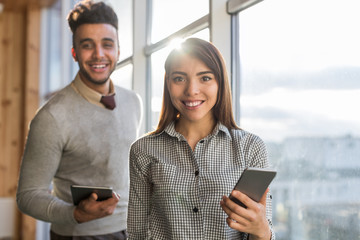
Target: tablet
{"x": 253, "y": 182}
{"x": 81, "y": 192}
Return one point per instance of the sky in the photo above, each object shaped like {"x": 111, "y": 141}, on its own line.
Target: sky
{"x": 300, "y": 63}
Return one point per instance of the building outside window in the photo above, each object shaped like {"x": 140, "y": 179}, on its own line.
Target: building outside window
{"x": 299, "y": 88}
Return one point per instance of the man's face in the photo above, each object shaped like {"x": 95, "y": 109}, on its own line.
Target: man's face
{"x": 96, "y": 51}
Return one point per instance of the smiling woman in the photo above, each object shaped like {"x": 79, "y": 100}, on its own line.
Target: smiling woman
{"x": 198, "y": 144}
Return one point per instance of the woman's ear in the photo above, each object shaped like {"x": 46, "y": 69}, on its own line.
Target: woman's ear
{"x": 73, "y": 53}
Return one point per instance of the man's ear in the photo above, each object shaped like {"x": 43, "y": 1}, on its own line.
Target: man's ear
{"x": 73, "y": 53}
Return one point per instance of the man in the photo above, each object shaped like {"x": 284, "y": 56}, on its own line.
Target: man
{"x": 76, "y": 139}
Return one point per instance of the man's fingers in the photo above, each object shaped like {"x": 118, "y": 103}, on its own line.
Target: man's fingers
{"x": 94, "y": 196}
{"x": 116, "y": 195}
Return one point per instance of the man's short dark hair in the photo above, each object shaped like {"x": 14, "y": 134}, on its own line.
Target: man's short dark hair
{"x": 88, "y": 11}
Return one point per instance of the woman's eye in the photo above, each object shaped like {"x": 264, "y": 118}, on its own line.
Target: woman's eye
{"x": 206, "y": 78}
{"x": 178, "y": 79}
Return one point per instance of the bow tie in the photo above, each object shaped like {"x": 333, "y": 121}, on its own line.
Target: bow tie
{"x": 108, "y": 101}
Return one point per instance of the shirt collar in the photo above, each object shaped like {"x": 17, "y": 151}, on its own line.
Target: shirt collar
{"x": 170, "y": 130}
{"x": 89, "y": 94}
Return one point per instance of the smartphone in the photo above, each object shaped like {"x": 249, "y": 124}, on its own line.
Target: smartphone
{"x": 79, "y": 192}
{"x": 253, "y": 182}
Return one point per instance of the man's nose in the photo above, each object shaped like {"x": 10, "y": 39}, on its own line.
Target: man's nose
{"x": 98, "y": 52}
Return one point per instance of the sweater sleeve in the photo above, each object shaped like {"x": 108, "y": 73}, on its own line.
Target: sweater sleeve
{"x": 40, "y": 161}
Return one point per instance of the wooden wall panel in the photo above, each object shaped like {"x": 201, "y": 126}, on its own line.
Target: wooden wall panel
{"x": 19, "y": 80}
{"x": 12, "y": 34}
{"x": 11, "y": 100}
{"x": 2, "y": 103}
{"x": 31, "y": 93}
{"x": 16, "y": 5}
{"x": 14, "y": 79}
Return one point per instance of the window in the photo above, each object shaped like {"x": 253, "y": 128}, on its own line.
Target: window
{"x": 299, "y": 89}
{"x": 123, "y": 9}
{"x": 123, "y": 74}
{"x": 57, "y": 67}
{"x": 169, "y": 16}
{"x": 168, "y": 30}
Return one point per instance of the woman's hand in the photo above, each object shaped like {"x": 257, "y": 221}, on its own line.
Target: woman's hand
{"x": 90, "y": 209}
{"x": 251, "y": 220}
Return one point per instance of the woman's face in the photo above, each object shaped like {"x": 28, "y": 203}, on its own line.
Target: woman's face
{"x": 193, "y": 89}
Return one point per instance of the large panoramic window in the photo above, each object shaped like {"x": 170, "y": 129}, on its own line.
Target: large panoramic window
{"x": 299, "y": 91}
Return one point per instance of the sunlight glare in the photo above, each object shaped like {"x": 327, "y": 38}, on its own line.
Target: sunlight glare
{"x": 176, "y": 43}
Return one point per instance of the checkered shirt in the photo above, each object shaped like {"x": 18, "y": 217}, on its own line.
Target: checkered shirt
{"x": 175, "y": 192}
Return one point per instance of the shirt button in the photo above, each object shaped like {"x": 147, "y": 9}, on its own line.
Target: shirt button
{"x": 196, "y": 173}
{"x": 195, "y": 209}
{"x": 201, "y": 141}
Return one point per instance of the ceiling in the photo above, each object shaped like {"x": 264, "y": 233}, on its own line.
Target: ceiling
{"x": 14, "y": 5}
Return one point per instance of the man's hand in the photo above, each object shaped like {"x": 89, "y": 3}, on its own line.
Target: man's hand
{"x": 251, "y": 220}
{"x": 90, "y": 209}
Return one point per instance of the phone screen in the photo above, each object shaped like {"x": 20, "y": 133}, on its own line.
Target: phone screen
{"x": 253, "y": 182}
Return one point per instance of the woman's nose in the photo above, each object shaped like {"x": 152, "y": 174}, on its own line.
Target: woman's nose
{"x": 192, "y": 87}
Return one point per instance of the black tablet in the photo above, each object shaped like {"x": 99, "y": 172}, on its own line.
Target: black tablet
{"x": 81, "y": 192}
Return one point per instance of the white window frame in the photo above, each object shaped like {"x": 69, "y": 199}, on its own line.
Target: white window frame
{"x": 233, "y": 8}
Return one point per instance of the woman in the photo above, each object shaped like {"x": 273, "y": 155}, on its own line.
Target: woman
{"x": 182, "y": 173}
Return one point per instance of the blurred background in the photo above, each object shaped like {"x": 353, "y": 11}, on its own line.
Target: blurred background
{"x": 294, "y": 68}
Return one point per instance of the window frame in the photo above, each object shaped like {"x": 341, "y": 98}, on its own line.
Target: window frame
{"x": 234, "y": 7}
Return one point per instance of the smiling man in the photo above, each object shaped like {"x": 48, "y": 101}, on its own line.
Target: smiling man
{"x": 82, "y": 136}
{"x": 96, "y": 50}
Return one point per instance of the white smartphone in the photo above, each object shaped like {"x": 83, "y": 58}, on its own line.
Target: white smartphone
{"x": 81, "y": 192}
{"x": 253, "y": 182}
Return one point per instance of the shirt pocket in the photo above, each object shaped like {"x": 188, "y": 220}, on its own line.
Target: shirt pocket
{"x": 163, "y": 177}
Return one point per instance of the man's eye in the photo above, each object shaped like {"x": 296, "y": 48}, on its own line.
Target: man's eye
{"x": 108, "y": 45}
{"x": 86, "y": 45}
